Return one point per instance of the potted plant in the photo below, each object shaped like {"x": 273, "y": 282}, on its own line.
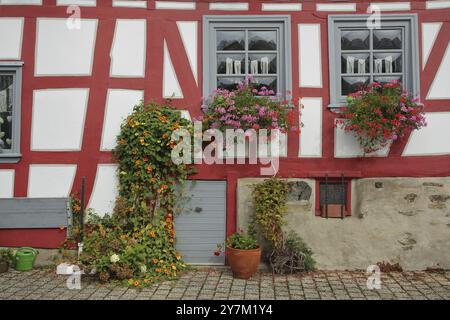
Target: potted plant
{"x": 380, "y": 114}
{"x": 5, "y": 259}
{"x": 243, "y": 253}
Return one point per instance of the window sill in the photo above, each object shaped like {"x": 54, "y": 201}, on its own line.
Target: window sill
{"x": 10, "y": 158}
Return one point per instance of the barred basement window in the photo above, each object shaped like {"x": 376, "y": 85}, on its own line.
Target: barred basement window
{"x": 239, "y": 46}
{"x": 333, "y": 198}
{"x": 360, "y": 55}
{"x": 10, "y": 95}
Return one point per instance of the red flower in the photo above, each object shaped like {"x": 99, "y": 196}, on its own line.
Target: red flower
{"x": 217, "y": 253}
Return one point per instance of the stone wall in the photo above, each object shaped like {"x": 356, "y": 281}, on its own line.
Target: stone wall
{"x": 404, "y": 220}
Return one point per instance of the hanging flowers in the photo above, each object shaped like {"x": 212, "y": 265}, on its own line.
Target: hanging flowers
{"x": 380, "y": 114}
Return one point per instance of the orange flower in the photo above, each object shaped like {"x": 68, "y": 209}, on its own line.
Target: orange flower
{"x": 136, "y": 283}
{"x": 152, "y": 180}
{"x": 122, "y": 142}
{"x": 149, "y": 169}
{"x": 137, "y": 163}
{"x": 152, "y": 234}
{"x": 155, "y": 261}
{"x": 171, "y": 240}
{"x": 164, "y": 136}
{"x": 165, "y": 187}
{"x": 158, "y": 270}
{"x": 168, "y": 272}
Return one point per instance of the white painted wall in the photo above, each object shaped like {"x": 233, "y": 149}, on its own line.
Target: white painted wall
{"x": 61, "y": 51}
{"x": 392, "y": 6}
{"x": 11, "y": 34}
{"x": 50, "y": 180}
{"x": 311, "y": 133}
{"x": 310, "y": 55}
{"x": 440, "y": 88}
{"x": 281, "y": 7}
{"x": 119, "y": 104}
{"x": 188, "y": 33}
{"x": 7, "y": 183}
{"x": 337, "y": 7}
{"x": 129, "y": 48}
{"x": 21, "y": 2}
{"x": 58, "y": 119}
{"x": 81, "y": 3}
{"x": 438, "y": 4}
{"x": 174, "y": 5}
{"x": 228, "y": 6}
{"x": 434, "y": 139}
{"x": 105, "y": 190}
{"x": 429, "y": 34}
{"x": 171, "y": 86}
{"x": 129, "y": 3}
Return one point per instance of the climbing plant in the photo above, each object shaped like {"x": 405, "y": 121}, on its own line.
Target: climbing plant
{"x": 136, "y": 243}
{"x": 287, "y": 252}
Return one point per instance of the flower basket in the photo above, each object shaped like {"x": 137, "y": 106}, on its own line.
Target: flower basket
{"x": 380, "y": 114}
{"x": 243, "y": 263}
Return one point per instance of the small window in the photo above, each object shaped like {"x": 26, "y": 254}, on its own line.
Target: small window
{"x": 10, "y": 94}
{"x": 333, "y": 198}
{"x": 235, "y": 47}
{"x": 360, "y": 55}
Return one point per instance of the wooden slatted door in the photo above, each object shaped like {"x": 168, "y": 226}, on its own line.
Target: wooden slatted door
{"x": 202, "y": 223}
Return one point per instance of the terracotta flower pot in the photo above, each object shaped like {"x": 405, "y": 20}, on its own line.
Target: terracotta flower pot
{"x": 243, "y": 263}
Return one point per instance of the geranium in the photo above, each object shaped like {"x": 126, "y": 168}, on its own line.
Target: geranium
{"x": 380, "y": 114}
{"x": 246, "y": 107}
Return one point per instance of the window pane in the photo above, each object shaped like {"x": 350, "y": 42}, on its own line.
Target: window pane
{"x": 387, "y": 62}
{"x": 228, "y": 83}
{"x": 231, "y": 64}
{"x": 262, "y": 40}
{"x": 269, "y": 82}
{"x": 355, "y": 40}
{"x": 230, "y": 40}
{"x": 383, "y": 80}
{"x": 262, "y": 63}
{"x": 387, "y": 39}
{"x": 6, "y": 104}
{"x": 353, "y": 84}
{"x": 355, "y": 63}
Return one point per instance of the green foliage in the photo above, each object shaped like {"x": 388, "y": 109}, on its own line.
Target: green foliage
{"x": 288, "y": 253}
{"x": 136, "y": 243}
{"x": 7, "y": 255}
{"x": 269, "y": 202}
{"x": 242, "y": 240}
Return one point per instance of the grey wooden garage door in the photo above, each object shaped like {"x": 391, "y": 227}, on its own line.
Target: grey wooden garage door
{"x": 201, "y": 225}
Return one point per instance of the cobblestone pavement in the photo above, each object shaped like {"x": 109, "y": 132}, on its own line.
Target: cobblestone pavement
{"x": 219, "y": 284}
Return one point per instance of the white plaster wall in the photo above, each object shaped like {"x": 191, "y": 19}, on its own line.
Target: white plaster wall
{"x": 228, "y": 6}
{"x": 58, "y": 119}
{"x": 83, "y": 3}
{"x": 7, "y": 183}
{"x": 129, "y": 48}
{"x": 188, "y": 32}
{"x": 129, "y": 3}
{"x": 337, "y": 7}
{"x": 119, "y": 104}
{"x": 440, "y": 87}
{"x": 434, "y": 139}
{"x": 429, "y": 34}
{"x": 105, "y": 190}
{"x": 310, "y": 53}
{"x": 171, "y": 86}
{"x": 61, "y": 51}
{"x": 21, "y": 2}
{"x": 174, "y": 5}
{"x": 437, "y": 4}
{"x": 393, "y": 6}
{"x": 11, "y": 34}
{"x": 311, "y": 133}
{"x": 281, "y": 7}
{"x": 50, "y": 180}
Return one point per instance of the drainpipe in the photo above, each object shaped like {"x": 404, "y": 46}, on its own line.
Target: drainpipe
{"x": 80, "y": 244}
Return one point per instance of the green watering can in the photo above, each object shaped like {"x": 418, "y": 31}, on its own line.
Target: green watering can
{"x": 24, "y": 258}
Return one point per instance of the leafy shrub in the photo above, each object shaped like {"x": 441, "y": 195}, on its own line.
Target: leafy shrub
{"x": 242, "y": 240}
{"x": 288, "y": 253}
{"x": 380, "y": 114}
